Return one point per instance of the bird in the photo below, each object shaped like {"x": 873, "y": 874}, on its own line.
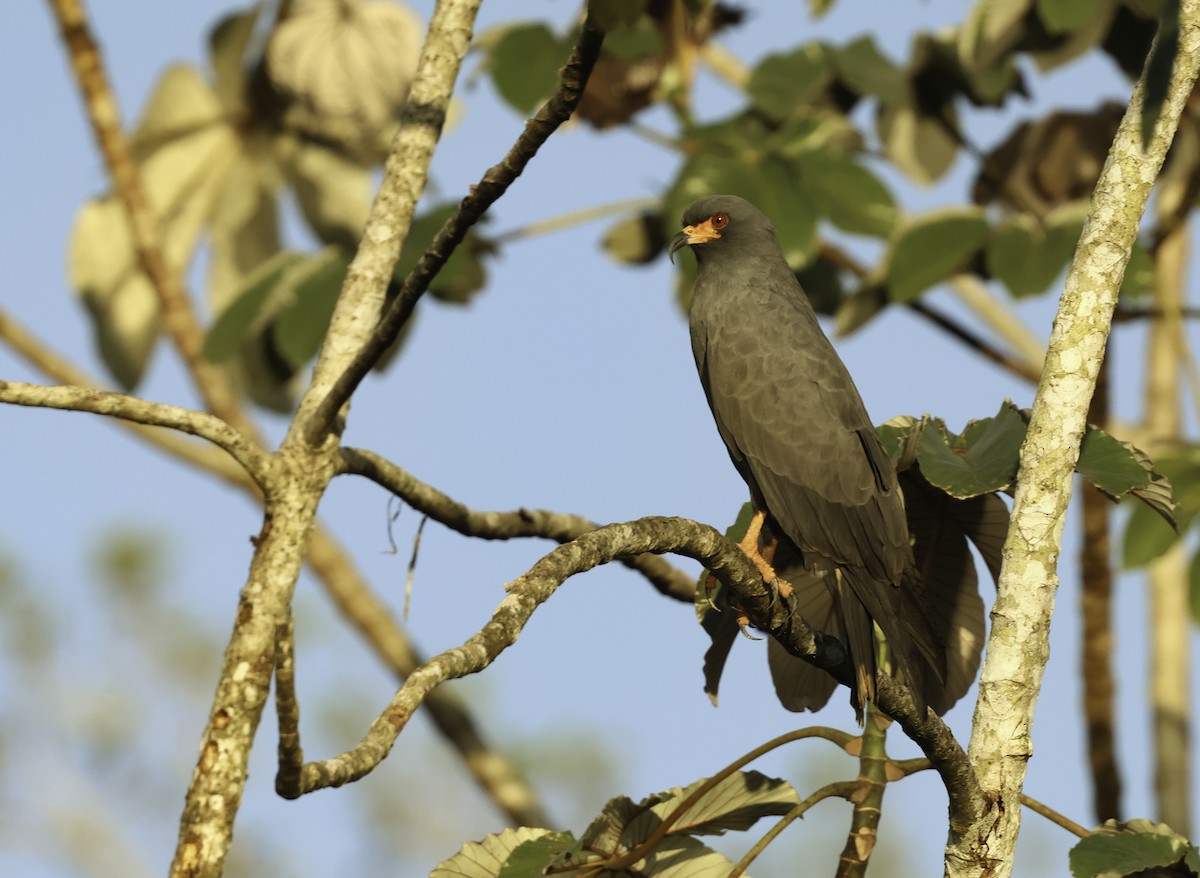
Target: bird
{"x": 823, "y": 489}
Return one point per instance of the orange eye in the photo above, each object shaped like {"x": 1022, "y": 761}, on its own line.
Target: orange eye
{"x": 719, "y": 220}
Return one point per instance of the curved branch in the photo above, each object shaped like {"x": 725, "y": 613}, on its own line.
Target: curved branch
{"x": 153, "y": 414}
{"x": 557, "y": 526}
{"x": 495, "y": 182}
{"x": 769, "y": 611}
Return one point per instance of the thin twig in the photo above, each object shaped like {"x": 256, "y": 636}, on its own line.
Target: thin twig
{"x": 1053, "y": 816}
{"x": 560, "y": 527}
{"x": 38, "y": 354}
{"x": 132, "y": 408}
{"x": 287, "y": 707}
{"x": 842, "y": 789}
{"x": 494, "y": 183}
{"x": 576, "y": 218}
{"x": 412, "y": 567}
{"x": 179, "y": 319}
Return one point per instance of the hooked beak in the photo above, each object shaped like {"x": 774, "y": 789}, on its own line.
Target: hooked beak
{"x": 697, "y": 234}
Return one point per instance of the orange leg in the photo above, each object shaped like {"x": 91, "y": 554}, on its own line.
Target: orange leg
{"x": 762, "y": 560}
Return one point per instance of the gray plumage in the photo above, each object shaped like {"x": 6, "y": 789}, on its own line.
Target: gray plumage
{"x": 799, "y": 435}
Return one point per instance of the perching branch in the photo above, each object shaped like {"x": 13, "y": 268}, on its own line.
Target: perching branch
{"x": 769, "y": 612}
{"x": 132, "y": 408}
{"x": 1018, "y": 645}
{"x": 558, "y": 526}
{"x": 495, "y": 182}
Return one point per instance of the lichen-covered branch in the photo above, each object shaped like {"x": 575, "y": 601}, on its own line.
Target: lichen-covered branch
{"x": 771, "y": 613}
{"x": 356, "y": 314}
{"x": 558, "y": 526}
{"x": 484, "y": 194}
{"x": 301, "y": 471}
{"x": 140, "y": 411}
{"x": 1018, "y": 646}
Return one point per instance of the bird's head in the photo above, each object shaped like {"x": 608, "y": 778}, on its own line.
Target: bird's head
{"x": 710, "y": 224}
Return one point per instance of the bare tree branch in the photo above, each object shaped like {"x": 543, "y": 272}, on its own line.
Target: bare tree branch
{"x": 211, "y": 380}
{"x": 1018, "y": 645}
{"x": 495, "y": 182}
{"x": 557, "y": 526}
{"x": 132, "y": 408}
{"x": 38, "y": 354}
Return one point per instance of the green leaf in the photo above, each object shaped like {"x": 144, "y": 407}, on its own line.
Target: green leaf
{"x": 822, "y": 283}
{"x": 846, "y": 192}
{"x": 1025, "y": 256}
{"x": 932, "y": 247}
{"x": 858, "y": 309}
{"x": 610, "y": 14}
{"x": 991, "y": 31}
{"x": 1061, "y": 16}
{"x": 635, "y": 240}
{"x": 918, "y": 144}
{"x": 1109, "y": 465}
{"x": 782, "y": 82}
{"x": 485, "y": 859}
{"x": 333, "y": 192}
{"x": 737, "y": 802}
{"x": 1146, "y": 537}
{"x": 1127, "y": 849}
{"x": 316, "y": 283}
{"x": 867, "y": 71}
{"x": 536, "y": 856}
{"x": 235, "y": 323}
{"x": 901, "y": 437}
{"x": 524, "y": 65}
{"x": 463, "y": 274}
{"x": 982, "y": 460}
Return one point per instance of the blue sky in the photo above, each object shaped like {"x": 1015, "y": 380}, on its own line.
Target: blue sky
{"x": 567, "y": 385}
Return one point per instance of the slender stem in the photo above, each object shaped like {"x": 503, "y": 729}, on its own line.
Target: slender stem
{"x": 844, "y": 789}
{"x": 868, "y": 798}
{"x": 1053, "y": 816}
{"x": 577, "y": 218}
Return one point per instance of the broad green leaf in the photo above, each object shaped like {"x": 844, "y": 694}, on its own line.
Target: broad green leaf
{"x": 237, "y": 322}
{"x": 1109, "y": 465}
{"x": 606, "y": 833}
{"x": 1139, "y": 273}
{"x": 1025, "y": 256}
{"x": 1146, "y": 537}
{"x": 932, "y": 247}
{"x": 867, "y": 71}
{"x": 333, "y": 192}
{"x": 243, "y": 230}
{"x": 485, "y": 859}
{"x": 1127, "y": 849}
{"x": 524, "y": 65}
{"x": 463, "y": 274}
{"x": 782, "y": 82}
{"x": 681, "y": 856}
{"x": 536, "y": 856}
{"x": 1148, "y": 533}
{"x": 181, "y": 104}
{"x": 990, "y": 32}
{"x": 806, "y": 130}
{"x": 900, "y": 437}
{"x": 1060, "y": 16}
{"x": 637, "y": 41}
{"x": 982, "y": 460}
{"x": 635, "y": 240}
{"x": 818, "y": 8}
{"x": 737, "y": 802}
{"x": 227, "y": 43}
{"x": 302, "y": 325}
{"x": 610, "y": 14}
{"x": 916, "y": 143}
{"x": 1095, "y": 30}
{"x": 846, "y": 192}
{"x": 859, "y": 308}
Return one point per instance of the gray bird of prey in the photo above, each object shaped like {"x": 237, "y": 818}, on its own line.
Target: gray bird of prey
{"x": 798, "y": 433}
